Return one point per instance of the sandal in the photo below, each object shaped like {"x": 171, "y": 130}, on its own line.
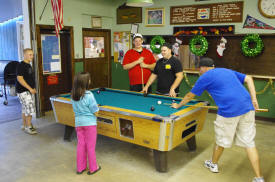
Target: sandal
{"x": 90, "y": 173}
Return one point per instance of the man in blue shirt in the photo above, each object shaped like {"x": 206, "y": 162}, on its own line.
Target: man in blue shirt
{"x": 235, "y": 120}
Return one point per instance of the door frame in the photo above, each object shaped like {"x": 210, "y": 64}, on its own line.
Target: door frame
{"x": 39, "y": 56}
{"x": 108, "y": 56}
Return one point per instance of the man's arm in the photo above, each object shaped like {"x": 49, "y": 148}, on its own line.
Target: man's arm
{"x": 188, "y": 97}
{"x": 148, "y": 66}
{"x": 151, "y": 79}
{"x": 21, "y": 80}
{"x": 176, "y": 83}
{"x": 251, "y": 88}
{"x": 133, "y": 64}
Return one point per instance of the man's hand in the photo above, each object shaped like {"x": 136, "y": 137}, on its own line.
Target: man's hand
{"x": 255, "y": 104}
{"x": 143, "y": 65}
{"x": 140, "y": 60}
{"x": 172, "y": 93}
{"x": 32, "y": 91}
{"x": 145, "y": 90}
{"x": 175, "y": 105}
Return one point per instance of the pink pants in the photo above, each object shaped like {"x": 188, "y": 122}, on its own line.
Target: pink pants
{"x": 86, "y": 142}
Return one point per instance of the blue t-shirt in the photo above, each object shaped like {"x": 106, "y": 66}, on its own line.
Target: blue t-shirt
{"x": 84, "y": 110}
{"x": 226, "y": 88}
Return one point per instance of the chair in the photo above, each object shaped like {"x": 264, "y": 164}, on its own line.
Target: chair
{"x": 9, "y": 77}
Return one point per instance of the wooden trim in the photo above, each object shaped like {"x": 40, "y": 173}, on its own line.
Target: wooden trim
{"x": 39, "y": 55}
{"x": 254, "y": 76}
{"x": 78, "y": 60}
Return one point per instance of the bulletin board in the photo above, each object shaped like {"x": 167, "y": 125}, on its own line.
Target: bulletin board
{"x": 51, "y": 54}
{"x": 121, "y": 45}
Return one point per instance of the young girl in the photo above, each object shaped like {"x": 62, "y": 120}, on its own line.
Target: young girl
{"x": 85, "y": 107}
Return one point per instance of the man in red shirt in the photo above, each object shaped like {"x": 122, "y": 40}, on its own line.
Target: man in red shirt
{"x": 139, "y": 62}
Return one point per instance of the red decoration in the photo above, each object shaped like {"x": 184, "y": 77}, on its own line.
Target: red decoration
{"x": 52, "y": 80}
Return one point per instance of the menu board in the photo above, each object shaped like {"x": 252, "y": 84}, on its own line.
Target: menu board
{"x": 207, "y": 13}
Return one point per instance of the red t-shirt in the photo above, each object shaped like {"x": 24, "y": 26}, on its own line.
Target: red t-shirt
{"x": 135, "y": 72}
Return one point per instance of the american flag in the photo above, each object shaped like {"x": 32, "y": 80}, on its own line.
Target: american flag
{"x": 57, "y": 7}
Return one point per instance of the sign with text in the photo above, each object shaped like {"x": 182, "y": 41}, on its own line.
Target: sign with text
{"x": 207, "y": 13}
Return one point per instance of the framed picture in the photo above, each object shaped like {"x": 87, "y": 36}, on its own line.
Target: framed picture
{"x": 134, "y": 28}
{"x": 96, "y": 22}
{"x": 154, "y": 17}
{"x": 127, "y": 15}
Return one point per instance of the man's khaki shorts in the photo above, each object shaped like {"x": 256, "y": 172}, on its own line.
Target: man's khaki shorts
{"x": 240, "y": 129}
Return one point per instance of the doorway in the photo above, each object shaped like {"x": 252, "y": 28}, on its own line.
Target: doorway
{"x": 97, "y": 56}
{"x": 55, "y": 56}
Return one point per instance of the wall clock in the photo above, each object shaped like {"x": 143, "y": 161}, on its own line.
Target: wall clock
{"x": 267, "y": 8}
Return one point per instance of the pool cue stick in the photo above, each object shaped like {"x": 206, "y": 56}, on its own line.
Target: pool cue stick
{"x": 209, "y": 107}
{"x": 142, "y": 81}
{"x": 215, "y": 107}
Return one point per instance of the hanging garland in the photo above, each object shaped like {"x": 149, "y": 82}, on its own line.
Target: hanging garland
{"x": 201, "y": 40}
{"x": 157, "y": 39}
{"x": 252, "y": 38}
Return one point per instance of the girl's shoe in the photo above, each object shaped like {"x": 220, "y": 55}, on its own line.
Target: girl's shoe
{"x": 90, "y": 173}
{"x": 77, "y": 172}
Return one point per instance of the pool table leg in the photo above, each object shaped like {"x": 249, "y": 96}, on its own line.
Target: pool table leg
{"x": 68, "y": 133}
{"x": 191, "y": 143}
{"x": 160, "y": 158}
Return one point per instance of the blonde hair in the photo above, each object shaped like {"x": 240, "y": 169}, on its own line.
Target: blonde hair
{"x": 26, "y": 50}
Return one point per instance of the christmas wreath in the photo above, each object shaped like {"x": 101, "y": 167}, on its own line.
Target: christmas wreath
{"x": 252, "y": 39}
{"x": 198, "y": 40}
{"x": 157, "y": 39}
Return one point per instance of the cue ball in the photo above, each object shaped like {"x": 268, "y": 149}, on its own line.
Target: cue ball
{"x": 159, "y": 102}
{"x": 152, "y": 108}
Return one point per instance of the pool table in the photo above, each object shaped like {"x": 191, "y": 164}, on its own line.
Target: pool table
{"x": 129, "y": 116}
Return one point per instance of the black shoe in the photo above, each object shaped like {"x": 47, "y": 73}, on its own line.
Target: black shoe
{"x": 90, "y": 173}
{"x": 80, "y": 171}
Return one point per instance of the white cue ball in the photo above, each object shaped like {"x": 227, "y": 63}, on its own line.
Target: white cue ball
{"x": 159, "y": 102}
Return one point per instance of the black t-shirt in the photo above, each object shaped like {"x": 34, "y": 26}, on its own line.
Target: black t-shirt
{"x": 25, "y": 70}
{"x": 166, "y": 71}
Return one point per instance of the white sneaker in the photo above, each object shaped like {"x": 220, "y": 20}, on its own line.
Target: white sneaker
{"x": 212, "y": 167}
{"x": 30, "y": 130}
{"x": 260, "y": 179}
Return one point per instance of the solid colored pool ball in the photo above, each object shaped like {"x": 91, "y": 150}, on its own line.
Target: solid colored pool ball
{"x": 152, "y": 108}
{"x": 159, "y": 102}
{"x": 98, "y": 92}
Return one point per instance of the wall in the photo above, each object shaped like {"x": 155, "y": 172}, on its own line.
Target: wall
{"x": 77, "y": 13}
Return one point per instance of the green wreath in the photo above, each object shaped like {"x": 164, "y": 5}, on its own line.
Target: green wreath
{"x": 157, "y": 39}
{"x": 201, "y": 40}
{"x": 252, "y": 52}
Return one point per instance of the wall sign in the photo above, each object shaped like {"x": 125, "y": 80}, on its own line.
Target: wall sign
{"x": 52, "y": 80}
{"x": 207, "y": 13}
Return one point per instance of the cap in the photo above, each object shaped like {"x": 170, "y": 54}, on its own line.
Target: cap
{"x": 168, "y": 45}
{"x": 208, "y": 62}
{"x": 137, "y": 35}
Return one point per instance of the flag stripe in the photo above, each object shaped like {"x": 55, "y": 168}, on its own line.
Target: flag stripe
{"x": 57, "y": 7}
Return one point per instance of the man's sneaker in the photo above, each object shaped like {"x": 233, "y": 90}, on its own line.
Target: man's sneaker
{"x": 260, "y": 179}
{"x": 30, "y": 130}
{"x": 212, "y": 167}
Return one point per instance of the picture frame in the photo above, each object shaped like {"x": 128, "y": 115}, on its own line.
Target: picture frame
{"x": 96, "y": 22}
{"x": 128, "y": 15}
{"x": 134, "y": 29}
{"x": 154, "y": 17}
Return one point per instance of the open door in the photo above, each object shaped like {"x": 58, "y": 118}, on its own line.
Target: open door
{"x": 97, "y": 56}
{"x": 55, "y": 63}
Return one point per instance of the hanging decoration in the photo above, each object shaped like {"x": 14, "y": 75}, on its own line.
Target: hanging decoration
{"x": 198, "y": 45}
{"x": 221, "y": 47}
{"x": 204, "y": 30}
{"x": 250, "y": 39}
{"x": 157, "y": 39}
{"x": 251, "y": 22}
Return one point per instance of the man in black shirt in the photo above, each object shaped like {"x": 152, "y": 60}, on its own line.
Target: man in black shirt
{"x": 168, "y": 71}
{"x": 25, "y": 88}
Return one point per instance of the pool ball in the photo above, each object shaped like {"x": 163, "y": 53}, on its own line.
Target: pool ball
{"x": 152, "y": 108}
{"x": 159, "y": 102}
{"x": 98, "y": 92}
